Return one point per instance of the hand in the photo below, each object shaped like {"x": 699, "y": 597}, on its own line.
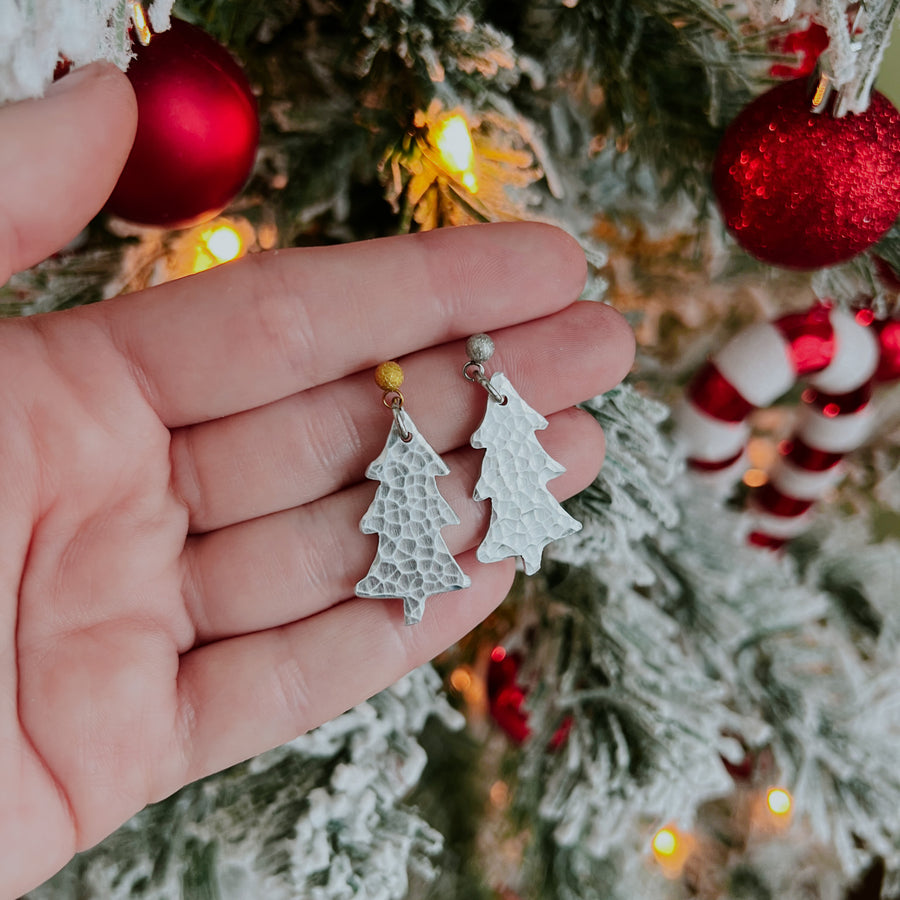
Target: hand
{"x": 182, "y": 479}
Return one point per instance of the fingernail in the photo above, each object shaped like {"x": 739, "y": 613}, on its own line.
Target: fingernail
{"x": 76, "y": 78}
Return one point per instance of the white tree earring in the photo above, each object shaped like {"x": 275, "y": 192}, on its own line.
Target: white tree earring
{"x": 407, "y": 514}
{"x": 525, "y": 516}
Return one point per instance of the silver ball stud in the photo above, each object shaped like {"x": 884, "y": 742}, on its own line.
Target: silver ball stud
{"x": 479, "y": 348}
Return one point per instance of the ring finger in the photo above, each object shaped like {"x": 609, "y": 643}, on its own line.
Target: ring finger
{"x": 295, "y": 450}
{"x": 293, "y": 564}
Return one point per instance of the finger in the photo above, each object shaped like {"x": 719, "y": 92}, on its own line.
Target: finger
{"x": 298, "y": 562}
{"x": 246, "y": 694}
{"x": 59, "y": 160}
{"x": 295, "y": 450}
{"x": 273, "y": 324}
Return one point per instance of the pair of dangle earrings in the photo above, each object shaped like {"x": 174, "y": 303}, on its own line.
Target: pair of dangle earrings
{"x": 408, "y": 511}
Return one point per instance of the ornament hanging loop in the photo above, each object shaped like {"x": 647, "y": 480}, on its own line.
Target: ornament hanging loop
{"x": 822, "y": 93}
{"x": 141, "y": 26}
{"x": 474, "y": 372}
{"x": 393, "y": 400}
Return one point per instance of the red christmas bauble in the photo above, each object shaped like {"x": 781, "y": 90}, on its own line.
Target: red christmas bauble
{"x": 806, "y": 190}
{"x": 197, "y": 132}
{"x": 506, "y": 700}
{"x": 506, "y": 709}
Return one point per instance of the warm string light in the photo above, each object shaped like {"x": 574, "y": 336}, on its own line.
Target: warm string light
{"x": 665, "y": 843}
{"x": 671, "y": 849}
{"x": 453, "y": 140}
{"x": 499, "y": 794}
{"x": 779, "y": 802}
{"x": 218, "y": 244}
{"x": 141, "y": 27}
{"x": 773, "y": 811}
{"x": 460, "y": 679}
{"x": 761, "y": 453}
{"x": 466, "y": 682}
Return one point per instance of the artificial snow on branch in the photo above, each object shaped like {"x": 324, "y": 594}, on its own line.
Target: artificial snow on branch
{"x": 36, "y": 36}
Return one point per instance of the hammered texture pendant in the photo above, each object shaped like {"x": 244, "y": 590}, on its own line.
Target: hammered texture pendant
{"x": 407, "y": 514}
{"x": 525, "y": 516}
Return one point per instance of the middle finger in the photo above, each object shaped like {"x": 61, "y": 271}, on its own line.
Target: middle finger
{"x": 296, "y": 450}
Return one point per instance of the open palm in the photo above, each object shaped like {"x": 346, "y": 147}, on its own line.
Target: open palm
{"x": 182, "y": 478}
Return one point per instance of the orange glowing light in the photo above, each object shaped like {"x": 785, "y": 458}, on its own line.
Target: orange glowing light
{"x": 223, "y": 242}
{"x": 218, "y": 244}
{"x": 461, "y": 679}
{"x": 499, "y": 794}
{"x": 665, "y": 843}
{"x": 141, "y": 27}
{"x": 672, "y": 849}
{"x": 755, "y": 478}
{"x": 453, "y": 140}
{"x": 761, "y": 452}
{"x": 779, "y": 801}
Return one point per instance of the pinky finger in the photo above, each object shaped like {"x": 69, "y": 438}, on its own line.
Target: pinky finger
{"x": 247, "y": 694}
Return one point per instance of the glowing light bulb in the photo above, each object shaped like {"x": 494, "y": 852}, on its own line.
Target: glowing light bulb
{"x": 672, "y": 849}
{"x": 142, "y": 29}
{"x": 498, "y": 654}
{"x": 755, "y": 478}
{"x": 460, "y": 679}
{"x": 218, "y": 244}
{"x": 223, "y": 242}
{"x": 665, "y": 843}
{"x": 499, "y": 794}
{"x": 779, "y": 801}
{"x": 454, "y": 143}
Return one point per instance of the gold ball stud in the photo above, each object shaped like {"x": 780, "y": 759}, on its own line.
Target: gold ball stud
{"x": 389, "y": 376}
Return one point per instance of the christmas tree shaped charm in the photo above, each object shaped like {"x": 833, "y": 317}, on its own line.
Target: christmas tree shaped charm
{"x": 525, "y": 516}
{"x": 407, "y": 514}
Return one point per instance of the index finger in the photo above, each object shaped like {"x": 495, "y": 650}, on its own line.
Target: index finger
{"x": 271, "y": 325}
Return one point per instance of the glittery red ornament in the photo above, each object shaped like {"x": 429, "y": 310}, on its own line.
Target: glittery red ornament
{"x": 197, "y": 131}
{"x": 806, "y": 190}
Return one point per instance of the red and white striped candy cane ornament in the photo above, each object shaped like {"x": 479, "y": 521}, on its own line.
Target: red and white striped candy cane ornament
{"x": 840, "y": 356}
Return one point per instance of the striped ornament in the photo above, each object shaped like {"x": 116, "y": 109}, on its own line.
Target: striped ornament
{"x": 839, "y": 356}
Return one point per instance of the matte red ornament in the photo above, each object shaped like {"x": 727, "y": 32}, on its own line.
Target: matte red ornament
{"x": 805, "y": 190}
{"x": 889, "y": 343}
{"x": 506, "y": 700}
{"x": 807, "y": 45}
{"x": 506, "y": 709}
{"x": 197, "y": 133}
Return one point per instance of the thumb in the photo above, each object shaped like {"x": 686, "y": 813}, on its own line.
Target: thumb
{"x": 60, "y": 157}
